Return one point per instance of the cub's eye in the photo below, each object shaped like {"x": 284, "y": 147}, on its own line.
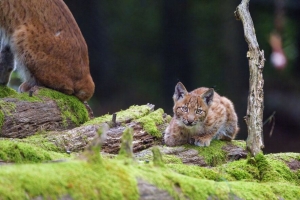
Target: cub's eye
{"x": 184, "y": 109}
{"x": 199, "y": 111}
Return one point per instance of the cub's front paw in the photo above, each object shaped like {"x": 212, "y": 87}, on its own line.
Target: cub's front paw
{"x": 201, "y": 142}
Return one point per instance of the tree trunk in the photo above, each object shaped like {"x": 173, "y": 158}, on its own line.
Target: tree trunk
{"x": 254, "y": 117}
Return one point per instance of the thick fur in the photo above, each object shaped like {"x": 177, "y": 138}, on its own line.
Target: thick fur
{"x": 47, "y": 46}
{"x": 199, "y": 117}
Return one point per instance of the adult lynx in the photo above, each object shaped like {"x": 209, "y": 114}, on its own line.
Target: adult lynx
{"x": 41, "y": 39}
{"x": 199, "y": 117}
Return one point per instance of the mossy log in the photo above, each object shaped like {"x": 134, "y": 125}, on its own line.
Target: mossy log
{"x": 147, "y": 124}
{"x": 42, "y": 109}
{"x": 144, "y": 169}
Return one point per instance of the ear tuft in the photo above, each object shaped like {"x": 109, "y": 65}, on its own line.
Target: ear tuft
{"x": 180, "y": 91}
{"x": 208, "y": 96}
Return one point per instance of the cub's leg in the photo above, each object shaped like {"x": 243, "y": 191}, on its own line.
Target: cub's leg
{"x": 174, "y": 135}
{"x": 6, "y": 64}
{"x": 230, "y": 128}
{"x": 202, "y": 140}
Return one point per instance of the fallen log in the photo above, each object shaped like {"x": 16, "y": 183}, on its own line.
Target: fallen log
{"x": 42, "y": 109}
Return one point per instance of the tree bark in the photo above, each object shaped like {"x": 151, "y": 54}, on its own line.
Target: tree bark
{"x": 79, "y": 138}
{"x": 22, "y": 117}
{"x": 254, "y": 117}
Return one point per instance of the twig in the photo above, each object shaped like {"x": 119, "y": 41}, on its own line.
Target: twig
{"x": 271, "y": 119}
{"x": 114, "y": 120}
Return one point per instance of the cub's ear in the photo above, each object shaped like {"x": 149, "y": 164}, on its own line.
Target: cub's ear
{"x": 180, "y": 92}
{"x": 208, "y": 96}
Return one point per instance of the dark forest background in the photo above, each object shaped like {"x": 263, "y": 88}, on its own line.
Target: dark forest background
{"x": 140, "y": 49}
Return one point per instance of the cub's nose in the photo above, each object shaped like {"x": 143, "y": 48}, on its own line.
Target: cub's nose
{"x": 189, "y": 123}
{"x": 190, "y": 119}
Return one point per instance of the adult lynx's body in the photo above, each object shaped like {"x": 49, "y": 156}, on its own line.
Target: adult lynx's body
{"x": 199, "y": 117}
{"x": 41, "y": 39}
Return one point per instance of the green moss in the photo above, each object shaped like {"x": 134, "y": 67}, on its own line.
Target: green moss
{"x": 157, "y": 157}
{"x": 70, "y": 106}
{"x": 213, "y": 154}
{"x": 272, "y": 170}
{"x": 151, "y": 121}
{"x": 126, "y": 150}
{"x": 79, "y": 180}
{"x": 284, "y": 156}
{"x": 193, "y": 184}
{"x": 6, "y": 109}
{"x": 1, "y": 120}
{"x": 239, "y": 143}
{"x": 9, "y": 92}
{"x": 133, "y": 112}
{"x": 171, "y": 159}
{"x": 240, "y": 170}
{"x": 112, "y": 179}
{"x": 40, "y": 141}
{"x": 6, "y": 91}
{"x": 18, "y": 152}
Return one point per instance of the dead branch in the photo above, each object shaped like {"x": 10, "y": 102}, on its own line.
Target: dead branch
{"x": 256, "y": 59}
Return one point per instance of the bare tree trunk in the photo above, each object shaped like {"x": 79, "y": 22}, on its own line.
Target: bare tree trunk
{"x": 256, "y": 58}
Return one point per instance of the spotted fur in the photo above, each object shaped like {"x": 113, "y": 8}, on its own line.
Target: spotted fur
{"x": 42, "y": 41}
{"x": 199, "y": 117}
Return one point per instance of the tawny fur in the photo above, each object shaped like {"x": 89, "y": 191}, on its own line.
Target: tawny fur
{"x": 47, "y": 46}
{"x": 199, "y": 117}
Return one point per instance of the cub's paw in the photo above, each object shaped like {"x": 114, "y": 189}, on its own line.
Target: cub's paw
{"x": 200, "y": 141}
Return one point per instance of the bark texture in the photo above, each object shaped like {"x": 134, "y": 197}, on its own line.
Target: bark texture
{"x": 254, "y": 117}
{"x": 22, "y": 115}
{"x": 27, "y": 118}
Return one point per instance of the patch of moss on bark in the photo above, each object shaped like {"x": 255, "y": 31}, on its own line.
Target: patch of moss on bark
{"x": 213, "y": 154}
{"x": 6, "y": 91}
{"x": 19, "y": 152}
{"x": 70, "y": 106}
{"x": 133, "y": 112}
{"x": 151, "y": 121}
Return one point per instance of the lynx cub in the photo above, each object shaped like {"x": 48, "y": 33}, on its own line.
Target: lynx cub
{"x": 199, "y": 117}
{"x": 41, "y": 39}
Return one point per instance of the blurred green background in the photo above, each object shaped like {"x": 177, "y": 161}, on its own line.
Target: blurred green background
{"x": 140, "y": 49}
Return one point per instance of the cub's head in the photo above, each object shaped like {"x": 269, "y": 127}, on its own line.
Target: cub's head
{"x": 191, "y": 108}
